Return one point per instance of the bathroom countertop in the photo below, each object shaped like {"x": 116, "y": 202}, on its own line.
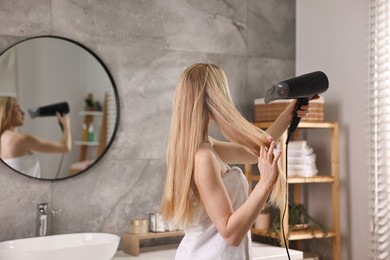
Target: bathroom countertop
{"x": 259, "y": 252}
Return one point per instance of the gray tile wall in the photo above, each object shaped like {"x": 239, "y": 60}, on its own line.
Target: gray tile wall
{"x": 146, "y": 44}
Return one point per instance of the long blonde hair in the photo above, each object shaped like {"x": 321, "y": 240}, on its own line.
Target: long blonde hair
{"x": 6, "y": 105}
{"x": 202, "y": 94}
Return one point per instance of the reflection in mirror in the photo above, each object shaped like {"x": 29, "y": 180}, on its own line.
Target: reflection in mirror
{"x": 44, "y": 75}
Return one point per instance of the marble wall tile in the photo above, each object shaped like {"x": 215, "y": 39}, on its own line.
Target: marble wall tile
{"x": 19, "y": 197}
{"x": 177, "y": 25}
{"x": 7, "y": 41}
{"x": 271, "y": 29}
{"x": 117, "y": 22}
{"x": 105, "y": 199}
{"x": 264, "y": 72}
{"x": 205, "y": 26}
{"x": 25, "y": 17}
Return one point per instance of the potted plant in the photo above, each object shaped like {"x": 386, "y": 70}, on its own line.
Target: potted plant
{"x": 263, "y": 220}
{"x": 298, "y": 219}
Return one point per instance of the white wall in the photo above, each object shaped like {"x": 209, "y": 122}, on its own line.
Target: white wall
{"x": 333, "y": 36}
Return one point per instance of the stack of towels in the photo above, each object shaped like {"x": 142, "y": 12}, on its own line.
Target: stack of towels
{"x": 301, "y": 160}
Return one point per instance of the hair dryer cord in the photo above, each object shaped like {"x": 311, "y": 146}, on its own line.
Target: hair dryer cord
{"x": 293, "y": 126}
{"x": 284, "y": 210}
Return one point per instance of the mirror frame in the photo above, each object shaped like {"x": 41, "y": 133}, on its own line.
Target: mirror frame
{"x": 116, "y": 95}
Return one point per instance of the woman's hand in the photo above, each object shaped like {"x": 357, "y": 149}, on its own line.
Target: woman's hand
{"x": 268, "y": 164}
{"x": 63, "y": 120}
{"x": 303, "y": 111}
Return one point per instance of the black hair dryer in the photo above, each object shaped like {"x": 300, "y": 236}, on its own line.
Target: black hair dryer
{"x": 303, "y": 88}
{"x": 50, "y": 110}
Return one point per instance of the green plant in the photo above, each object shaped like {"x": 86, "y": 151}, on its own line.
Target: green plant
{"x": 298, "y": 219}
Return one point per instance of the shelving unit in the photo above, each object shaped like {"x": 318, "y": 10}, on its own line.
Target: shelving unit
{"x": 99, "y": 143}
{"x": 296, "y": 184}
{"x": 89, "y": 117}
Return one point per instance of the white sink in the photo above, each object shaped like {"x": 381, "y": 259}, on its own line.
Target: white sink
{"x": 79, "y": 246}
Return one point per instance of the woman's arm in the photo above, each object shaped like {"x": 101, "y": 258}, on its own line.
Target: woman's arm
{"x": 233, "y": 225}
{"x": 36, "y": 143}
{"x": 231, "y": 153}
{"x": 283, "y": 121}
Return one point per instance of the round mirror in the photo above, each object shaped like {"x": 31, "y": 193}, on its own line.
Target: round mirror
{"x": 48, "y": 74}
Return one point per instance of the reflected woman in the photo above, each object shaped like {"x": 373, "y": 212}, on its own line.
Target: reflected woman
{"x": 16, "y": 149}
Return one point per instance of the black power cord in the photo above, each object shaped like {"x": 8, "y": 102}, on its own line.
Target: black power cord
{"x": 289, "y": 134}
{"x": 293, "y": 126}
{"x": 62, "y": 157}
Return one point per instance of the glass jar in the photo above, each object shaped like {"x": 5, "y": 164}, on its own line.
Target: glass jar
{"x": 139, "y": 226}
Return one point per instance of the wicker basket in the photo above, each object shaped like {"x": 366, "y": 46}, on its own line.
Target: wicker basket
{"x": 269, "y": 112}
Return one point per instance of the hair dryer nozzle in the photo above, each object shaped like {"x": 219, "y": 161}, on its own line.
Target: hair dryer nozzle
{"x": 304, "y": 86}
{"x": 277, "y": 91}
{"x": 49, "y": 110}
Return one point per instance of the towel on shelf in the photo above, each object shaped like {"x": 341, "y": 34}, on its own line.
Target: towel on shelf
{"x": 301, "y": 159}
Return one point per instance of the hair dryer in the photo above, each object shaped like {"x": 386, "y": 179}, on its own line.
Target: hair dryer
{"x": 50, "y": 110}
{"x": 303, "y": 88}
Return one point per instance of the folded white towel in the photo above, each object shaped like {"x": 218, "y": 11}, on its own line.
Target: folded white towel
{"x": 302, "y": 144}
{"x": 301, "y": 160}
{"x": 299, "y": 152}
{"x": 306, "y": 173}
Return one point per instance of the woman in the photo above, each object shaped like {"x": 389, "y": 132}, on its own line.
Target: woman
{"x": 16, "y": 149}
{"x": 202, "y": 193}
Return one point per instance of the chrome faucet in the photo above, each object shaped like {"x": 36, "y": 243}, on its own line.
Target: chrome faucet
{"x": 43, "y": 214}
{"x": 42, "y": 217}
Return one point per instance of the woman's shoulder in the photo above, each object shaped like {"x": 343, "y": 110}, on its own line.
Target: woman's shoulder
{"x": 206, "y": 157}
{"x": 13, "y": 137}
{"x": 13, "y": 134}
{"x": 13, "y": 144}
{"x": 7, "y": 134}
{"x": 205, "y": 152}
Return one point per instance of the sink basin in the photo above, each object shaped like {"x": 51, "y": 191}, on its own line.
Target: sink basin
{"x": 78, "y": 246}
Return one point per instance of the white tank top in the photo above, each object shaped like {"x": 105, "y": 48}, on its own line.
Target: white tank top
{"x": 27, "y": 164}
{"x": 203, "y": 241}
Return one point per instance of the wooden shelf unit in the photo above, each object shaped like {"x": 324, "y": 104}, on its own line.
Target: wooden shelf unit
{"x": 89, "y": 116}
{"x": 296, "y": 184}
{"x": 315, "y": 179}
{"x": 296, "y": 235}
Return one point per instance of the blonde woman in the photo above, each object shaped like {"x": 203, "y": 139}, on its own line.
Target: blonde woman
{"x": 202, "y": 192}
{"x": 16, "y": 149}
